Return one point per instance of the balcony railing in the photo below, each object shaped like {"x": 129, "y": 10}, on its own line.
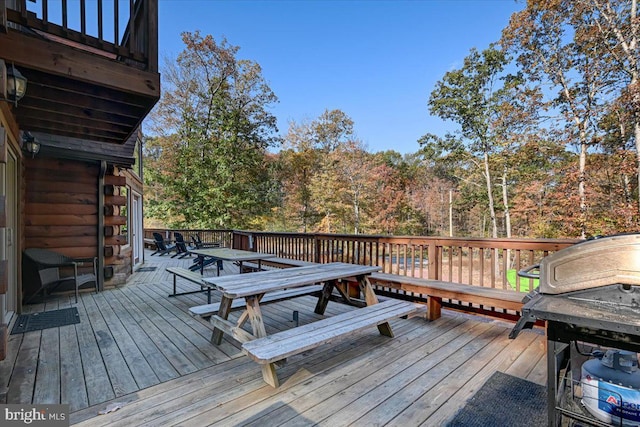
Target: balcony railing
{"x": 122, "y": 29}
{"x": 474, "y": 261}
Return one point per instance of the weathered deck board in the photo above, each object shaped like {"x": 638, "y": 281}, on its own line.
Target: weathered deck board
{"x": 277, "y": 406}
{"x": 47, "y": 388}
{"x": 152, "y": 354}
{"x": 141, "y": 371}
{"x": 23, "y": 377}
{"x": 96, "y": 378}
{"x": 138, "y": 347}
{"x": 118, "y": 371}
{"x": 387, "y": 393}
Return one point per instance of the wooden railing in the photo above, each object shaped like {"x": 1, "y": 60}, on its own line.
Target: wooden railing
{"x": 127, "y": 33}
{"x": 474, "y": 261}
{"x": 223, "y": 237}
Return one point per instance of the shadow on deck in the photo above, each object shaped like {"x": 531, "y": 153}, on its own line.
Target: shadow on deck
{"x": 137, "y": 349}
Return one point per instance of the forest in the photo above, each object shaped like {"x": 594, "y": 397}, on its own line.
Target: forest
{"x": 547, "y": 141}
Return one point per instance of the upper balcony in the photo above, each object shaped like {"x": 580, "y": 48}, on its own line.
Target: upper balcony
{"x": 92, "y": 66}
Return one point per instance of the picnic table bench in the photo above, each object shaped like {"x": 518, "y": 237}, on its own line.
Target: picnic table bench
{"x": 436, "y": 291}
{"x": 287, "y": 343}
{"x": 276, "y": 262}
{"x": 207, "y": 310}
{"x": 254, "y": 286}
{"x": 192, "y": 277}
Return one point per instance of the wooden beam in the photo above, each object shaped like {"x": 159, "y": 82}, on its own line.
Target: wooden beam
{"x": 58, "y": 128}
{"x": 61, "y": 187}
{"x": 68, "y": 88}
{"x": 84, "y": 108}
{"x": 152, "y": 35}
{"x": 62, "y": 164}
{"x": 71, "y": 197}
{"x": 62, "y": 242}
{"x": 115, "y": 200}
{"x": 58, "y": 59}
{"x": 61, "y": 220}
{"x": 59, "y": 231}
{"x": 115, "y": 220}
{"x": 115, "y": 180}
{"x": 29, "y": 115}
{"x": 116, "y": 240}
{"x": 59, "y": 209}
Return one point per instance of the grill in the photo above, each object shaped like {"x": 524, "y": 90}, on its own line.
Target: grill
{"x": 589, "y": 293}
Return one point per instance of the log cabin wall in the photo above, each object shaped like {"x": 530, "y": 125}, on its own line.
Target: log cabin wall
{"x": 118, "y": 248}
{"x": 60, "y": 207}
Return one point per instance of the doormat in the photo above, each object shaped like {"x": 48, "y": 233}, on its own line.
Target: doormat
{"x": 505, "y": 400}
{"x": 45, "y": 319}
{"x": 146, "y": 269}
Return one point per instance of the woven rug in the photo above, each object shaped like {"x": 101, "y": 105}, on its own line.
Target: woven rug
{"x": 506, "y": 401}
{"x": 45, "y": 319}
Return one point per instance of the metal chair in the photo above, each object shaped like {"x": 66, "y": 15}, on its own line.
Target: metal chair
{"x": 42, "y": 267}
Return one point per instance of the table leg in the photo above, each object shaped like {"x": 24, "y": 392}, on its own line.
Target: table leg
{"x": 223, "y": 312}
{"x": 371, "y": 298}
{"x": 323, "y": 300}
{"x": 257, "y": 325}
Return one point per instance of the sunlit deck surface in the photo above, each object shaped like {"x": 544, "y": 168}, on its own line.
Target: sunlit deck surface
{"x": 142, "y": 350}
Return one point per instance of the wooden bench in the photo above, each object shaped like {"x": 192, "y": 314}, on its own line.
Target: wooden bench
{"x": 281, "y": 345}
{"x": 274, "y": 263}
{"x": 436, "y": 290}
{"x": 211, "y": 309}
{"x": 191, "y": 276}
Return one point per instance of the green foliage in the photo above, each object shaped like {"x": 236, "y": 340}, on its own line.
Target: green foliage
{"x": 511, "y": 167}
{"x": 206, "y": 166}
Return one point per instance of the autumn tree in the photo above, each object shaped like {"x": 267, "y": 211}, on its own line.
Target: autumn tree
{"x": 615, "y": 24}
{"x": 554, "y": 43}
{"x": 313, "y": 187}
{"x": 212, "y": 127}
{"x": 470, "y": 96}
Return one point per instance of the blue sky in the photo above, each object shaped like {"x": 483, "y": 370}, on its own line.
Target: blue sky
{"x": 377, "y": 61}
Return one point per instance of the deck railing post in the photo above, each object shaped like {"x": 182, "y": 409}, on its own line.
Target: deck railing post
{"x": 316, "y": 245}
{"x": 434, "y": 265}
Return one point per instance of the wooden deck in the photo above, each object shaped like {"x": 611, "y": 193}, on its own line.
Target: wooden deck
{"x": 140, "y": 350}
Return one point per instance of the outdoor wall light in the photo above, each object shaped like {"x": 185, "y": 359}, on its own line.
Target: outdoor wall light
{"x": 29, "y": 144}
{"x": 13, "y": 85}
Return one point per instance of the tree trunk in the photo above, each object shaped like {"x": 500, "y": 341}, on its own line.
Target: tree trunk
{"x": 581, "y": 180}
{"x": 492, "y": 209}
{"x": 636, "y": 133}
{"x": 505, "y": 203}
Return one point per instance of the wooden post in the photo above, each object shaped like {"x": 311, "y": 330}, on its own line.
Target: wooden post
{"x": 432, "y": 254}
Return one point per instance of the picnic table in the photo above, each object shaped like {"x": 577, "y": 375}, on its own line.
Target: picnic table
{"x": 228, "y": 254}
{"x": 267, "y": 350}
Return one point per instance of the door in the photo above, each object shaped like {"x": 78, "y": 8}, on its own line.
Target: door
{"x": 8, "y": 245}
{"x": 136, "y": 228}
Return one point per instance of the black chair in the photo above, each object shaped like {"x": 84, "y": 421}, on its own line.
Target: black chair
{"x": 162, "y": 247}
{"x": 199, "y": 244}
{"x": 41, "y": 267}
{"x": 181, "y": 246}
{"x": 200, "y": 261}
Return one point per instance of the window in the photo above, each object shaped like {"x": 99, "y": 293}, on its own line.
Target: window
{"x": 137, "y": 155}
{"x": 124, "y": 211}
